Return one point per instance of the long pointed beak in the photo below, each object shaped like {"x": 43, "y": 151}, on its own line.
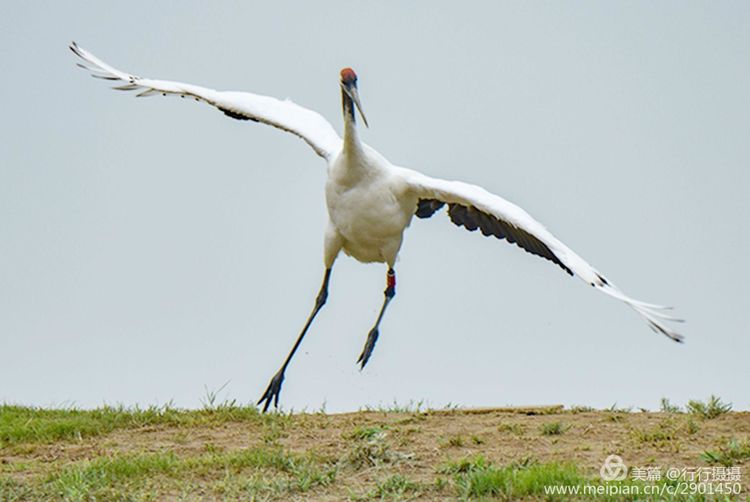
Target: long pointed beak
{"x": 354, "y": 94}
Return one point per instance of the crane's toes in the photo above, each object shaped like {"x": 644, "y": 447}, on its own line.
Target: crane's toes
{"x": 272, "y": 392}
{"x": 372, "y": 337}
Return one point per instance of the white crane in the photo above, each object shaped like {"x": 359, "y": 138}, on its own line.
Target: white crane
{"x": 371, "y": 201}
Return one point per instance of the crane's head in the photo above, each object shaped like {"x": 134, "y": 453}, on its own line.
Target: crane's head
{"x": 350, "y": 94}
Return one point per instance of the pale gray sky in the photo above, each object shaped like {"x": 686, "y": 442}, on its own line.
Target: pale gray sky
{"x": 149, "y": 247}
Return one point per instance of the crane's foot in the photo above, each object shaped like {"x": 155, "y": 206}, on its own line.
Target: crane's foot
{"x": 372, "y": 337}
{"x": 272, "y": 392}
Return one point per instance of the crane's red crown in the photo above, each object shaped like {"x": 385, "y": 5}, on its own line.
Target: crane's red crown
{"x": 348, "y": 76}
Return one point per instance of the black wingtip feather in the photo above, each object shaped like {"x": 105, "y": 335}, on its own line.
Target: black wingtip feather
{"x": 235, "y": 115}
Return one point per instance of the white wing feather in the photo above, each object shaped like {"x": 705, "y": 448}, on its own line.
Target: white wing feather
{"x": 457, "y": 192}
{"x": 285, "y": 115}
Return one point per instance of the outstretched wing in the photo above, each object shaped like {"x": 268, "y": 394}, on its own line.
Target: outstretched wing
{"x": 475, "y": 208}
{"x": 285, "y": 115}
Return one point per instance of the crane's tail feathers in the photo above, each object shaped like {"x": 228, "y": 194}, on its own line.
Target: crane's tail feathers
{"x": 654, "y": 315}
{"x": 666, "y": 317}
{"x": 614, "y": 292}
{"x": 97, "y": 67}
{"x": 657, "y": 325}
{"x": 664, "y": 330}
{"x": 128, "y": 82}
{"x": 651, "y": 309}
{"x": 648, "y": 311}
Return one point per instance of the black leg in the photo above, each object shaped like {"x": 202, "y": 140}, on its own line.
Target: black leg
{"x": 274, "y": 387}
{"x": 372, "y": 336}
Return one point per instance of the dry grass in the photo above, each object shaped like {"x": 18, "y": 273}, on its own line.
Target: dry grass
{"x": 235, "y": 453}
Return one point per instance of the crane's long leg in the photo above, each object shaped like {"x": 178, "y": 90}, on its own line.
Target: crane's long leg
{"x": 274, "y": 387}
{"x": 372, "y": 336}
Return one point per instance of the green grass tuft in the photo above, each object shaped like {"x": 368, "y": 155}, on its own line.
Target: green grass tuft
{"x": 730, "y": 454}
{"x": 581, "y": 409}
{"x": 513, "y": 428}
{"x": 708, "y": 410}
{"x": 662, "y": 433}
{"x": 465, "y": 465}
{"x": 367, "y": 433}
{"x": 396, "y": 487}
{"x": 511, "y": 483}
{"x": 667, "y": 407}
{"x": 553, "y": 429}
{"x": 691, "y": 426}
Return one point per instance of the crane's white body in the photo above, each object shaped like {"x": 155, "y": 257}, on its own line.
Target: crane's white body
{"x": 370, "y": 201}
{"x": 369, "y": 207}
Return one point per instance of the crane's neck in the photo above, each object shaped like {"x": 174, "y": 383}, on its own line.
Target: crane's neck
{"x": 351, "y": 137}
